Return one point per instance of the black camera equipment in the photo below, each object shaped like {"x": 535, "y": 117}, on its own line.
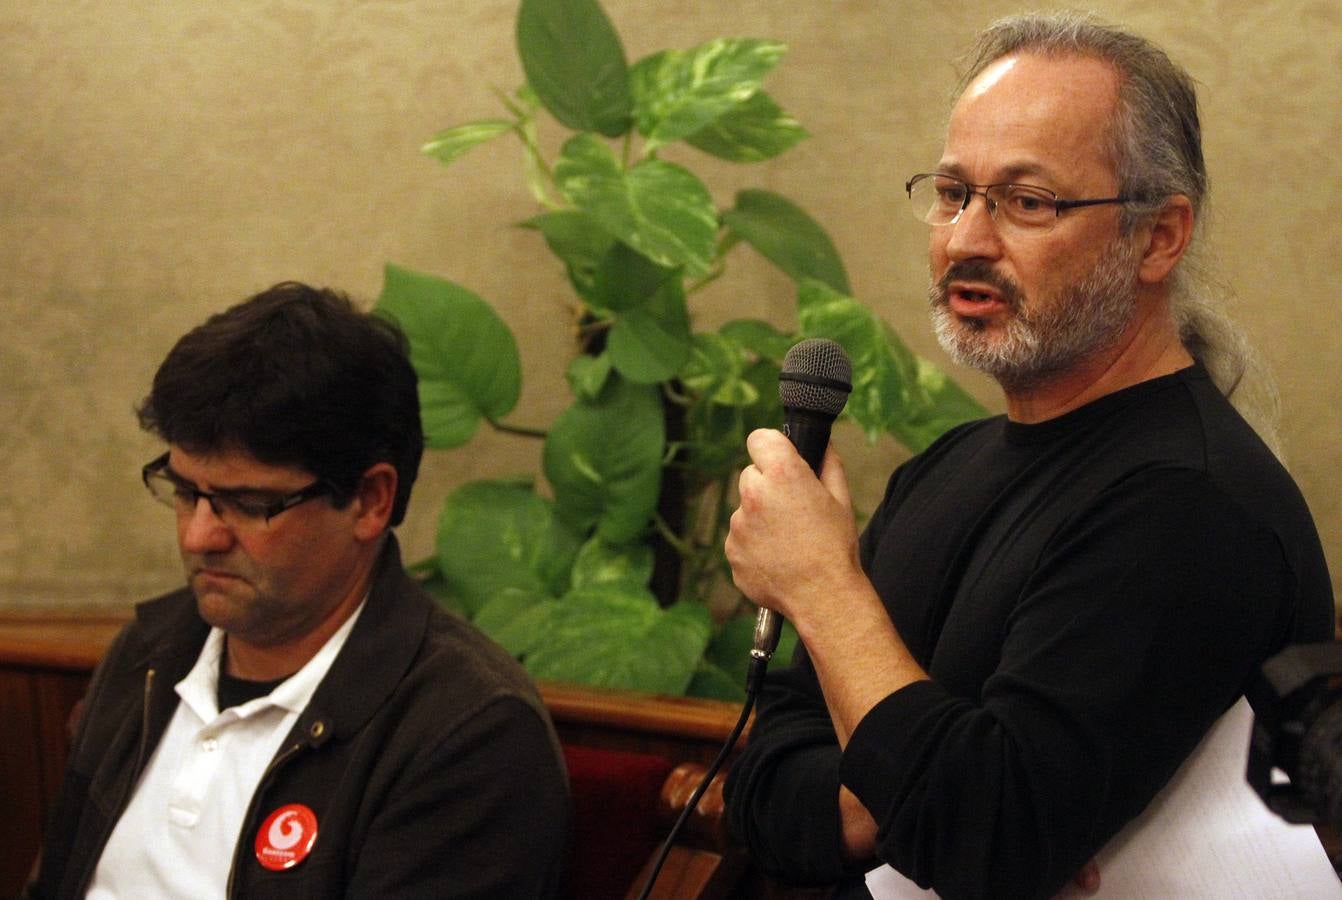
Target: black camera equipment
{"x": 1297, "y": 732}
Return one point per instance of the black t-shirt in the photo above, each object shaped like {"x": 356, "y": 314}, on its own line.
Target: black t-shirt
{"x": 237, "y": 691}
{"x": 1088, "y": 594}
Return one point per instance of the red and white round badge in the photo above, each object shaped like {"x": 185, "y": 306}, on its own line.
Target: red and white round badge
{"x": 286, "y": 837}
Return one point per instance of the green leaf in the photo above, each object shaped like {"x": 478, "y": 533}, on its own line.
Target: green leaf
{"x": 446, "y": 146}
{"x": 604, "y": 460}
{"x": 464, "y": 354}
{"x": 651, "y": 343}
{"x": 729, "y": 650}
{"x": 518, "y": 619}
{"x": 601, "y": 563}
{"x": 717, "y": 433}
{"x": 759, "y": 337}
{"x": 660, "y": 209}
{"x": 787, "y": 237}
{"x": 494, "y": 535}
{"x": 715, "y": 371}
{"x": 625, "y": 278}
{"x": 884, "y": 371}
{"x": 438, "y": 588}
{"x": 715, "y": 441}
{"x": 893, "y": 390}
{"x": 615, "y": 635}
{"x": 578, "y": 240}
{"x": 787, "y": 643}
{"x": 574, "y": 237}
{"x": 767, "y": 411}
{"x": 753, "y": 131}
{"x": 947, "y": 405}
{"x": 587, "y": 375}
{"x": 712, "y": 682}
{"x": 678, "y": 92}
{"x": 575, "y": 63}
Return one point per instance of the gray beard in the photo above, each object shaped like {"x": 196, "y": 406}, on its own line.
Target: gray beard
{"x": 1036, "y": 343}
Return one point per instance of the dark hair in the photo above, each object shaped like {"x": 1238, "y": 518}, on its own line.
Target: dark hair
{"x": 295, "y": 376}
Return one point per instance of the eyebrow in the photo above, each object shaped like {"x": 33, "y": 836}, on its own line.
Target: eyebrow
{"x": 225, "y": 491}
{"x": 1010, "y": 175}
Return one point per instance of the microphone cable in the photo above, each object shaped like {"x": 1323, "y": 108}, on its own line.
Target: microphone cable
{"x": 813, "y": 386}
{"x": 754, "y": 681}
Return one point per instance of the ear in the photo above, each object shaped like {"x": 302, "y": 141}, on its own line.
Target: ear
{"x": 374, "y": 500}
{"x": 1167, "y": 237}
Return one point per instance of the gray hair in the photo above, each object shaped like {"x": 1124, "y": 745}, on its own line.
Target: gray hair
{"x": 1155, "y": 146}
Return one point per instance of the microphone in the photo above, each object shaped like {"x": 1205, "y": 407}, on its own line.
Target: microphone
{"x": 813, "y": 385}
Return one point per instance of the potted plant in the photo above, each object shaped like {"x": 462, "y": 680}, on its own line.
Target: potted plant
{"x": 605, "y": 577}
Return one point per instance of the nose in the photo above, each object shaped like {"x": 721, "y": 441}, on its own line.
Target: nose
{"x": 974, "y": 234}
{"x": 200, "y": 530}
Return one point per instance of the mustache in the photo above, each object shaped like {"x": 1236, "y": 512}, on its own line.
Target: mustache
{"x": 982, "y": 272}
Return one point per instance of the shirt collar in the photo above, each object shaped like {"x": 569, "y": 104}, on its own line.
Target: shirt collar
{"x": 199, "y": 690}
{"x": 299, "y": 687}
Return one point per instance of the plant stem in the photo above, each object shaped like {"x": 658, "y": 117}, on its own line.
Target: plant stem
{"x": 705, "y": 554}
{"x": 694, "y": 575}
{"x": 518, "y": 430}
{"x": 540, "y": 177}
{"x": 587, "y": 329}
{"x": 670, "y": 393}
{"x": 672, "y": 538}
{"x": 718, "y": 270}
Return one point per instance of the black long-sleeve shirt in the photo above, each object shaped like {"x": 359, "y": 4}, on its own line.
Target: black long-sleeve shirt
{"x": 1088, "y": 595}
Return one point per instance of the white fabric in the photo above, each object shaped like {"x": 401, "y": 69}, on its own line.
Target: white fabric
{"x": 177, "y": 836}
{"x": 1206, "y": 835}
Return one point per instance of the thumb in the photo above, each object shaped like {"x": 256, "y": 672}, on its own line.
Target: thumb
{"x": 769, "y": 448}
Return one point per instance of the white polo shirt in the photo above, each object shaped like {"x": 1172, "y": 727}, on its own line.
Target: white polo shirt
{"x": 177, "y": 836}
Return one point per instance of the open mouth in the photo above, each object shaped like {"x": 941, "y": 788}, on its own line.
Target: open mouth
{"x": 975, "y": 296}
{"x": 976, "y": 302}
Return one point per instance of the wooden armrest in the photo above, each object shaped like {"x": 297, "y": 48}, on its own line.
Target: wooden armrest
{"x": 704, "y": 863}
{"x": 706, "y": 827}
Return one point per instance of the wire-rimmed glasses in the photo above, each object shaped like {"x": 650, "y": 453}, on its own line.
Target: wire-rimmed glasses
{"x": 940, "y": 199}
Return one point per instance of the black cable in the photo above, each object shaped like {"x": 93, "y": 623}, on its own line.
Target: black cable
{"x": 754, "y": 680}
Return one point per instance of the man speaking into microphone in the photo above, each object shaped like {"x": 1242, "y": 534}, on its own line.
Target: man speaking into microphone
{"x": 1049, "y": 608}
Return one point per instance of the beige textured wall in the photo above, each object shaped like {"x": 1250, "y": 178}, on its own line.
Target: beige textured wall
{"x": 163, "y": 160}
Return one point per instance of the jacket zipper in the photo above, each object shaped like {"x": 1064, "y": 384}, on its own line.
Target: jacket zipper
{"x": 248, "y": 817}
{"x": 144, "y": 732}
{"x": 126, "y": 792}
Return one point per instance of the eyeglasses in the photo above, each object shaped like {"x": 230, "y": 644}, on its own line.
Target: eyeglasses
{"x": 238, "y": 509}
{"x": 941, "y": 199}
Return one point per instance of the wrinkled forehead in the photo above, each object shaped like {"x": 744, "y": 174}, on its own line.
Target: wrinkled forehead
{"x": 1032, "y": 113}
{"x": 231, "y": 470}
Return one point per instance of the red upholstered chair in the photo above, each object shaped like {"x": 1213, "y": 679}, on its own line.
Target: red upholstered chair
{"x": 615, "y": 822}
{"x": 624, "y": 804}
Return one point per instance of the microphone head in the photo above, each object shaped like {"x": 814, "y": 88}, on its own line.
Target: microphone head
{"x": 816, "y": 377}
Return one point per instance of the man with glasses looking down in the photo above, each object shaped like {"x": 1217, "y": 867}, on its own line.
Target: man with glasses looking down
{"x": 1050, "y": 608}
{"x": 301, "y": 720}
